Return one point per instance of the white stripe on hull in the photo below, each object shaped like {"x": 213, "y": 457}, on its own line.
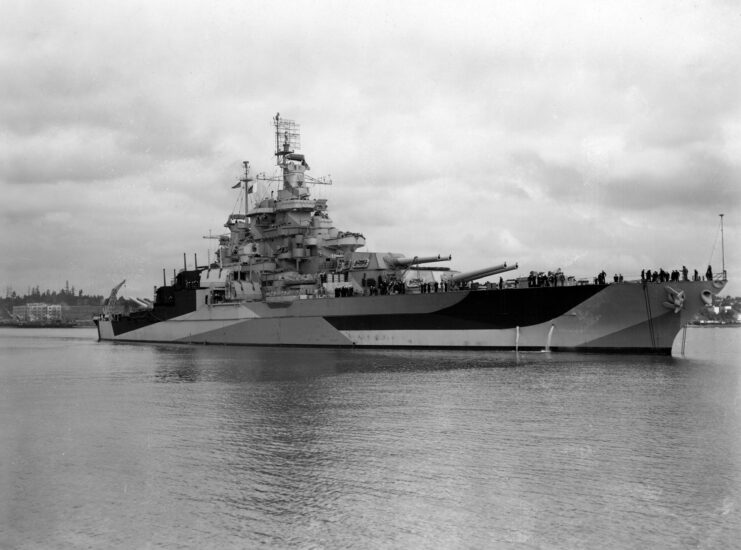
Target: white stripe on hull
{"x": 483, "y": 338}
{"x": 317, "y": 332}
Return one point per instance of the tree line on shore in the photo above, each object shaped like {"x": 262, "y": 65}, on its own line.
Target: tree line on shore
{"x": 66, "y": 296}
{"x": 728, "y": 310}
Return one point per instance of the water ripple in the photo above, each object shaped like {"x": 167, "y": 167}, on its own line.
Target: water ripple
{"x": 207, "y": 447}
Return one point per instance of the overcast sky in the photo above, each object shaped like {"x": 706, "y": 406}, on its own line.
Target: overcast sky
{"x": 580, "y": 135}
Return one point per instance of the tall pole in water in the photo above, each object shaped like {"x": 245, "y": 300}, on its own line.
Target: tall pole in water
{"x": 722, "y": 249}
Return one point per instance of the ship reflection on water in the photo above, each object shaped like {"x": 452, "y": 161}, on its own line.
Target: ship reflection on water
{"x": 219, "y": 446}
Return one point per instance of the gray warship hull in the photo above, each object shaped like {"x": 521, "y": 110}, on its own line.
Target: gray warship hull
{"x": 630, "y": 317}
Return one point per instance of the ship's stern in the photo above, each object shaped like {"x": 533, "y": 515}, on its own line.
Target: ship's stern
{"x": 105, "y": 329}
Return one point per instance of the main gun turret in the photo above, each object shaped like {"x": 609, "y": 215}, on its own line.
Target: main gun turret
{"x": 402, "y": 261}
{"x": 479, "y": 273}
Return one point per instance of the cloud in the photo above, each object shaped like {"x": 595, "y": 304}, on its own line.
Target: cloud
{"x": 572, "y": 134}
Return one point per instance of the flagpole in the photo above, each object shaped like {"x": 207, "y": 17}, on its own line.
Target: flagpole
{"x": 722, "y": 249}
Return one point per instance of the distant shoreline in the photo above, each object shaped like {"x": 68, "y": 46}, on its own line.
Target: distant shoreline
{"x": 714, "y": 325}
{"x": 75, "y": 325}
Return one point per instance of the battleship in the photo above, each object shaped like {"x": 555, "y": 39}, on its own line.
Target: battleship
{"x": 284, "y": 275}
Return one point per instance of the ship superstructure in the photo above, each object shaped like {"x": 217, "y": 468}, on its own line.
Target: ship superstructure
{"x": 285, "y": 275}
{"x": 286, "y": 245}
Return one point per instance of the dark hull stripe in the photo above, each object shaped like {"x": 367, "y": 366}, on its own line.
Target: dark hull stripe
{"x": 184, "y": 303}
{"x": 489, "y": 309}
{"x": 485, "y": 309}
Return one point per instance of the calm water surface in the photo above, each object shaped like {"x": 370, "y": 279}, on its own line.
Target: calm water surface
{"x": 154, "y": 446}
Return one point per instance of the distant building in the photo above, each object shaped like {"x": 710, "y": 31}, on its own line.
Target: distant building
{"x": 38, "y": 313}
{"x": 80, "y": 314}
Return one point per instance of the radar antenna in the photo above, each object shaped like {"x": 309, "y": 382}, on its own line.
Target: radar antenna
{"x": 287, "y": 137}
{"x": 287, "y": 143}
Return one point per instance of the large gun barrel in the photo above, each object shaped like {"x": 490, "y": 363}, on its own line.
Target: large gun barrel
{"x": 401, "y": 261}
{"x": 479, "y": 273}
